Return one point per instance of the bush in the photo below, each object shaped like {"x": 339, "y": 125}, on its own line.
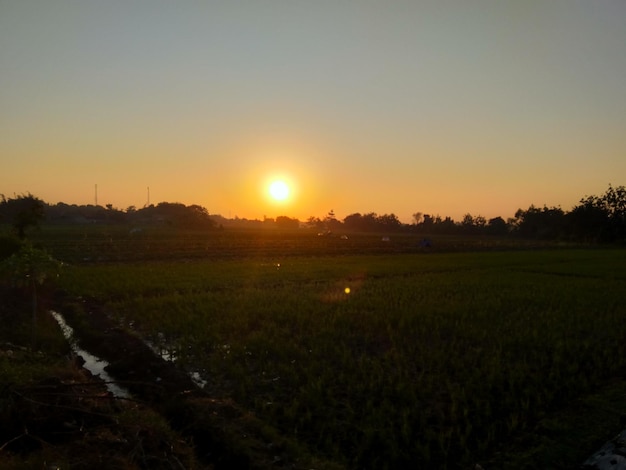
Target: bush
{"x": 8, "y": 246}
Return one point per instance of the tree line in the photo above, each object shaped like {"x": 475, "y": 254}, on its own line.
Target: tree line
{"x": 595, "y": 219}
{"x": 27, "y": 211}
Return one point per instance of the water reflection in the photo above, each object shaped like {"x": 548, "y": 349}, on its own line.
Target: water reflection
{"x": 93, "y": 364}
{"x": 170, "y": 354}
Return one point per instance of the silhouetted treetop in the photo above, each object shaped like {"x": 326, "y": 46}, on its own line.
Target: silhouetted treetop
{"x": 21, "y": 212}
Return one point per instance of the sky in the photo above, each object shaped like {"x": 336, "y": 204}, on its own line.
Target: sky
{"x": 444, "y": 107}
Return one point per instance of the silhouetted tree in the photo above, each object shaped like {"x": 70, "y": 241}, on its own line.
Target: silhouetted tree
{"x": 22, "y": 212}
{"x": 361, "y": 223}
{"x": 497, "y": 226}
{"x": 371, "y": 222}
{"x": 588, "y": 220}
{"x": 176, "y": 214}
{"x": 471, "y": 224}
{"x": 600, "y": 218}
{"x": 353, "y": 222}
{"x": 284, "y": 222}
{"x": 467, "y": 223}
{"x": 428, "y": 222}
{"x": 331, "y": 221}
{"x": 615, "y": 203}
{"x": 389, "y": 222}
{"x": 445, "y": 225}
{"x": 546, "y": 223}
{"x": 315, "y": 222}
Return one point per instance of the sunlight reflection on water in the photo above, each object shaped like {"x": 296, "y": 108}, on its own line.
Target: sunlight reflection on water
{"x": 93, "y": 364}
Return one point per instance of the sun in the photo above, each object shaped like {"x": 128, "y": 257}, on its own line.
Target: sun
{"x": 279, "y": 190}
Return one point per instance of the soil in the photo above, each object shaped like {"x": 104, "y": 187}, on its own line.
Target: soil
{"x": 70, "y": 421}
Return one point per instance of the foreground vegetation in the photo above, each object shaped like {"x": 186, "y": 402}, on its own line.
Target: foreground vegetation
{"x": 54, "y": 414}
{"x": 397, "y": 357}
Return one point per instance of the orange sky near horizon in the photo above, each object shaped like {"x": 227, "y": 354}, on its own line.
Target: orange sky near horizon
{"x": 464, "y": 107}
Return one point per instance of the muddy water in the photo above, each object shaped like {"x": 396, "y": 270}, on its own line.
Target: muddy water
{"x": 93, "y": 364}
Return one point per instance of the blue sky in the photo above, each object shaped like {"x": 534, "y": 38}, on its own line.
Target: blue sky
{"x": 442, "y": 107}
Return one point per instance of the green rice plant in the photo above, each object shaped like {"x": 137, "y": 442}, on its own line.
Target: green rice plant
{"x": 385, "y": 361}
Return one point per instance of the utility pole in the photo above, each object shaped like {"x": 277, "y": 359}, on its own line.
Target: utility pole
{"x": 96, "y": 195}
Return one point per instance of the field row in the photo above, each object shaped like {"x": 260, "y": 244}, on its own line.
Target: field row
{"x": 96, "y": 244}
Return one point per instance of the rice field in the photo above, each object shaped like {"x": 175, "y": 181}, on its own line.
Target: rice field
{"x": 394, "y": 358}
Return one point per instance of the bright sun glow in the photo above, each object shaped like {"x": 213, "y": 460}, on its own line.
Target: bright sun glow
{"x": 279, "y": 190}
